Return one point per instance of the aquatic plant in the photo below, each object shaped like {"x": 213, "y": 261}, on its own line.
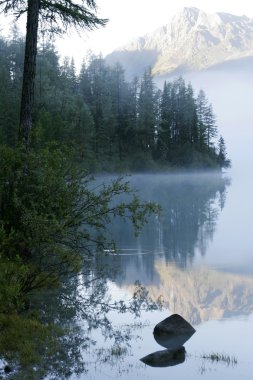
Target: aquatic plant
{"x": 221, "y": 358}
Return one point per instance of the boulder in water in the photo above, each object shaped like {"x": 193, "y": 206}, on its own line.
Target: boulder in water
{"x": 173, "y": 332}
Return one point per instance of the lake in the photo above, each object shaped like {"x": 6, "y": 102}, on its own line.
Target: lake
{"x": 197, "y": 257}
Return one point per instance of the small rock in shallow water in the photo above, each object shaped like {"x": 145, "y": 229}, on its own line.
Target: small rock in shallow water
{"x": 7, "y": 369}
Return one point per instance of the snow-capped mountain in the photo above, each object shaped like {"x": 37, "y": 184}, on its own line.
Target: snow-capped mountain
{"x": 192, "y": 40}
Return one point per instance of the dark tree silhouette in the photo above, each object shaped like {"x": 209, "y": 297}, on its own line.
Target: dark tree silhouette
{"x": 59, "y": 15}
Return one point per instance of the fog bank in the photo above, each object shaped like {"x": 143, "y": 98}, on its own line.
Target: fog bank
{"x": 229, "y": 87}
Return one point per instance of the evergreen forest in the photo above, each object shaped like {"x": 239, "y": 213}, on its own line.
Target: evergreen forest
{"x": 112, "y": 124}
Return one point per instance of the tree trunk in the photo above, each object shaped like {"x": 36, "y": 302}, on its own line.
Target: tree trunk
{"x": 27, "y": 98}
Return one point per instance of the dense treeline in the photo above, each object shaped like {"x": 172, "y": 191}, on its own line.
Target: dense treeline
{"x": 111, "y": 123}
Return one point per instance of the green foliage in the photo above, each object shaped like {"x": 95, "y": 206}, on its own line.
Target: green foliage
{"x": 33, "y": 349}
{"x": 13, "y": 276}
{"x": 59, "y": 14}
{"x": 187, "y": 128}
{"x": 111, "y": 124}
{"x": 23, "y": 338}
{"x": 10, "y": 66}
{"x": 51, "y": 218}
{"x": 146, "y": 114}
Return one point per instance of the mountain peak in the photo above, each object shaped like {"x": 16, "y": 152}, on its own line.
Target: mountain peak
{"x": 188, "y": 15}
{"x": 192, "y": 39}
{"x": 190, "y": 12}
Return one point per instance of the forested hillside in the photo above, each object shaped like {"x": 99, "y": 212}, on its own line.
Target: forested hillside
{"x": 112, "y": 124}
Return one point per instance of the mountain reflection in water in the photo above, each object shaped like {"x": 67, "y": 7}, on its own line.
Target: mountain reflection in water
{"x": 163, "y": 256}
{"x": 201, "y": 294}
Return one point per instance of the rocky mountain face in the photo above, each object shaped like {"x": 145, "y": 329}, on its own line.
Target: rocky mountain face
{"x": 193, "y": 40}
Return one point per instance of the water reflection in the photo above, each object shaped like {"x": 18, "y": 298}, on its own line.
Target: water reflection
{"x": 201, "y": 293}
{"x": 165, "y": 358}
{"x": 161, "y": 258}
{"x": 191, "y": 205}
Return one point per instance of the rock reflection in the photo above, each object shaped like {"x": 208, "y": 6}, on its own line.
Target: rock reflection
{"x": 171, "y": 333}
{"x": 165, "y": 358}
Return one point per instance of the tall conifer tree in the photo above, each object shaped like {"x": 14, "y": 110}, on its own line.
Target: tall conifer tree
{"x": 57, "y": 13}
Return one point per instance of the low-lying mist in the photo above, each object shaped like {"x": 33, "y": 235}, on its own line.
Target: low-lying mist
{"x": 229, "y": 87}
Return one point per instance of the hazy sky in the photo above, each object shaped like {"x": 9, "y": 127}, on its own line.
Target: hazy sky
{"x": 129, "y": 18}
{"x": 133, "y": 18}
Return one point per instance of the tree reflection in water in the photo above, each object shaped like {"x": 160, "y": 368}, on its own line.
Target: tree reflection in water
{"x": 71, "y": 324}
{"x": 191, "y": 204}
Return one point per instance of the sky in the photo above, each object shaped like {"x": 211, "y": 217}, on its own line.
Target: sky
{"x": 133, "y": 18}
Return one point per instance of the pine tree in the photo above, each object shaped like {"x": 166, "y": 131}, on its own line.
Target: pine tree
{"x": 53, "y": 12}
{"x": 166, "y": 123}
{"x": 202, "y": 105}
{"x": 132, "y": 116}
{"x": 210, "y": 126}
{"x": 117, "y": 91}
{"x": 146, "y": 113}
{"x": 192, "y": 119}
{"x": 9, "y": 93}
{"x": 100, "y": 105}
{"x": 223, "y": 161}
{"x": 206, "y": 122}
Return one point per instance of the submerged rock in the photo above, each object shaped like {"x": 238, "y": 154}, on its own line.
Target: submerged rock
{"x": 7, "y": 369}
{"x": 173, "y": 332}
{"x": 165, "y": 358}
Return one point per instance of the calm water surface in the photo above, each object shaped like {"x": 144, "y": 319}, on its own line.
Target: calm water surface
{"x": 198, "y": 256}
